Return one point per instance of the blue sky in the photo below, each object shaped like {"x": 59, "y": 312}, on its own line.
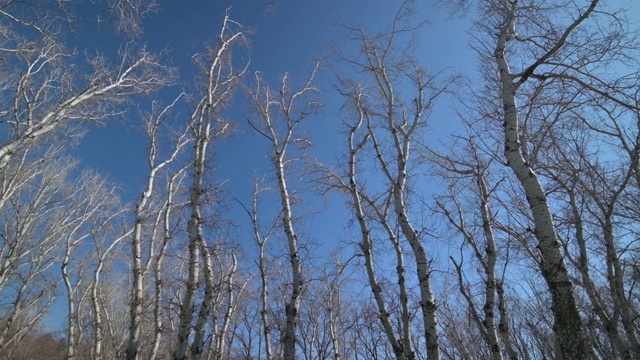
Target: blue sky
{"x": 286, "y": 39}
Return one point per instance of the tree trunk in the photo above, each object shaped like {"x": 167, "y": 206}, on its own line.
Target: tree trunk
{"x": 571, "y": 342}
{"x": 293, "y": 306}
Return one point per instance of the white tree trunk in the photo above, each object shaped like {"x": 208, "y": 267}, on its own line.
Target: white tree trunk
{"x": 194, "y": 231}
{"x": 281, "y": 136}
{"x": 293, "y": 306}
{"x": 205, "y": 124}
{"x": 141, "y": 213}
{"x": 571, "y": 342}
{"x": 356, "y": 202}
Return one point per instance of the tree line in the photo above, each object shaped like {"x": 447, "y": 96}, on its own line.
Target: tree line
{"x": 516, "y": 240}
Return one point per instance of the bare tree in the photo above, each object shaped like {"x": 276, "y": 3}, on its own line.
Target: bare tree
{"x": 50, "y": 98}
{"x": 127, "y": 16}
{"x": 362, "y": 204}
{"x": 279, "y": 116}
{"x": 542, "y": 63}
{"x": 392, "y": 123}
{"x": 261, "y": 237}
{"x": 34, "y": 212}
{"x": 595, "y": 191}
{"x": 107, "y": 236}
{"x": 40, "y": 108}
{"x": 142, "y": 212}
{"x": 167, "y": 233}
{"x": 91, "y": 219}
{"x": 462, "y": 168}
{"x": 220, "y": 78}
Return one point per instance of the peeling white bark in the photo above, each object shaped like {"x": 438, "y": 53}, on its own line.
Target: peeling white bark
{"x": 281, "y": 136}
{"x": 571, "y": 342}
{"x": 205, "y": 124}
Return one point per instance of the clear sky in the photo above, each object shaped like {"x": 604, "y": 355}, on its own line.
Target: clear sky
{"x": 287, "y": 36}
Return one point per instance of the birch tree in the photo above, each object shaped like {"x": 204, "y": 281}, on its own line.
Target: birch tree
{"x": 206, "y": 123}
{"x": 463, "y": 168}
{"x": 107, "y": 236}
{"x": 261, "y": 237}
{"x": 368, "y": 214}
{"x": 571, "y": 342}
{"x": 160, "y": 218}
{"x": 167, "y": 232}
{"x": 34, "y": 213}
{"x": 280, "y": 116}
{"x": 595, "y": 190}
{"x": 91, "y": 219}
{"x": 392, "y": 122}
{"x": 536, "y": 51}
{"x": 48, "y": 98}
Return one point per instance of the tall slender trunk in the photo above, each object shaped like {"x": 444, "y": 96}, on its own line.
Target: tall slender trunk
{"x": 195, "y": 235}
{"x": 135, "y": 308}
{"x": 280, "y": 136}
{"x": 622, "y": 306}
{"x": 571, "y": 341}
{"x": 71, "y": 306}
{"x": 582, "y": 265}
{"x": 407, "y": 339}
{"x": 158, "y": 324}
{"x": 504, "y": 326}
{"x": 187, "y": 306}
{"x": 335, "y": 312}
{"x": 141, "y": 212}
{"x": 489, "y": 268}
{"x": 97, "y": 309}
{"x": 366, "y": 246}
{"x": 293, "y": 306}
{"x": 264, "y": 298}
{"x": 220, "y": 83}
{"x": 231, "y": 306}
{"x": 197, "y": 347}
{"x": 402, "y": 145}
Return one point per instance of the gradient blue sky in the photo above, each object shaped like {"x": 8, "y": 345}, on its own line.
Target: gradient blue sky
{"x": 285, "y": 39}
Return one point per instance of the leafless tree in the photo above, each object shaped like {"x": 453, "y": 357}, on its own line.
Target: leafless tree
{"x": 279, "y": 117}
{"x": 363, "y": 204}
{"x": 92, "y": 219}
{"x": 392, "y": 123}
{"x": 48, "y": 99}
{"x": 206, "y": 123}
{"x": 53, "y": 92}
{"x": 168, "y": 229}
{"x": 107, "y": 237}
{"x": 143, "y": 212}
{"x": 538, "y": 60}
{"x": 469, "y": 169}
{"x": 594, "y": 227}
{"x": 261, "y": 237}
{"x": 38, "y": 196}
{"x": 127, "y": 16}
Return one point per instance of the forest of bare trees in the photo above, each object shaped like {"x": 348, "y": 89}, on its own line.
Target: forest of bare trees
{"x": 516, "y": 237}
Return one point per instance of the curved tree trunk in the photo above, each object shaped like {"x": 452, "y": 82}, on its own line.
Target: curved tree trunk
{"x": 571, "y": 341}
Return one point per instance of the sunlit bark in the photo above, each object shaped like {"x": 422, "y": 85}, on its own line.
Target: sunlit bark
{"x": 142, "y": 212}
{"x": 397, "y": 120}
{"x": 205, "y": 124}
{"x": 279, "y": 116}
